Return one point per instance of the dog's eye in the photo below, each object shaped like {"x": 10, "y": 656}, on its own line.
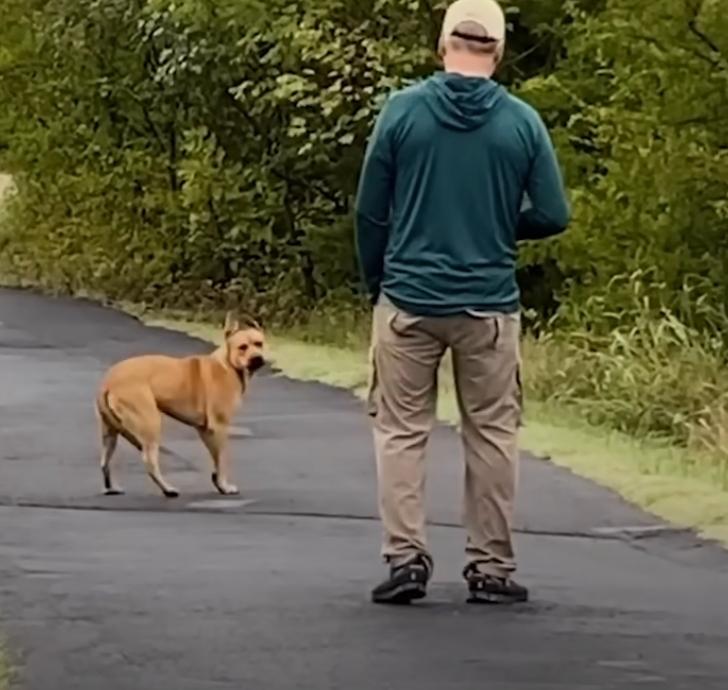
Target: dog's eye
{"x": 258, "y": 344}
{"x": 243, "y": 347}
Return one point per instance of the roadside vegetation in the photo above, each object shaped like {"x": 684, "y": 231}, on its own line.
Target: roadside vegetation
{"x": 196, "y": 155}
{"x": 4, "y": 670}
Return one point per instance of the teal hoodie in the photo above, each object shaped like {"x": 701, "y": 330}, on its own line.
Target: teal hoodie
{"x": 456, "y": 172}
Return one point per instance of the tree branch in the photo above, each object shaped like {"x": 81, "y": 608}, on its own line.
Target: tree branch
{"x": 701, "y": 35}
{"x": 712, "y": 61}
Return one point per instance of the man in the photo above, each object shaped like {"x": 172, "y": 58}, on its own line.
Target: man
{"x": 457, "y": 170}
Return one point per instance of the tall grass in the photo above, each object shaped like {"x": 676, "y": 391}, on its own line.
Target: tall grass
{"x": 642, "y": 368}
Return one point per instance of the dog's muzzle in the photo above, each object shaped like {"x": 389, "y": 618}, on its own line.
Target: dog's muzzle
{"x": 255, "y": 363}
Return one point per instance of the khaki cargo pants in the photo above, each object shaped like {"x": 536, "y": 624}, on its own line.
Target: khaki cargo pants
{"x": 405, "y": 355}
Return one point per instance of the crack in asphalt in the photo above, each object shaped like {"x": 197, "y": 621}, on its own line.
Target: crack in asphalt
{"x": 624, "y": 533}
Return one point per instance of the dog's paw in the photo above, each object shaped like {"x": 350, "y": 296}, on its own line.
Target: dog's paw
{"x": 113, "y": 492}
{"x": 171, "y": 493}
{"x": 223, "y": 487}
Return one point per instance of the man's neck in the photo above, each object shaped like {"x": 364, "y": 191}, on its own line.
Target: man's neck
{"x": 470, "y": 68}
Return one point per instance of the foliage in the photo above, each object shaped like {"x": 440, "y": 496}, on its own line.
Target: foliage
{"x": 639, "y": 108}
{"x": 164, "y": 149}
{"x": 200, "y": 153}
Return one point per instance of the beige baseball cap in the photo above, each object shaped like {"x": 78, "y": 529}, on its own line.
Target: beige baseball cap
{"x": 486, "y": 13}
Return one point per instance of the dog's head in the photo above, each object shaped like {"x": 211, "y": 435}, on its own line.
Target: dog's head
{"x": 245, "y": 344}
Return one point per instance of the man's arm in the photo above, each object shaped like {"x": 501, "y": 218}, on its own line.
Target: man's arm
{"x": 545, "y": 211}
{"x": 374, "y": 203}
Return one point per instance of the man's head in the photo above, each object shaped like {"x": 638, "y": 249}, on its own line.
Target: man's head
{"x": 473, "y": 37}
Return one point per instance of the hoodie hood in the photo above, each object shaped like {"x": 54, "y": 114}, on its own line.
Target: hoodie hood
{"x": 460, "y": 102}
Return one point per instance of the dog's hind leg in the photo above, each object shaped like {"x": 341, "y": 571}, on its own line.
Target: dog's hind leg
{"x": 108, "y": 436}
{"x": 141, "y": 422}
{"x": 148, "y": 423}
{"x": 150, "y": 455}
{"x": 215, "y": 441}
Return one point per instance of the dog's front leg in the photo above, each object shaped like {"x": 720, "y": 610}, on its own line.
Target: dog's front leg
{"x": 216, "y": 442}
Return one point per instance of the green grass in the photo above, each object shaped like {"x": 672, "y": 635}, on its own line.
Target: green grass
{"x": 6, "y": 183}
{"x": 648, "y": 473}
{"x": 5, "y": 670}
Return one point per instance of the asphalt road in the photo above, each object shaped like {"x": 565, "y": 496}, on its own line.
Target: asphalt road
{"x": 270, "y": 591}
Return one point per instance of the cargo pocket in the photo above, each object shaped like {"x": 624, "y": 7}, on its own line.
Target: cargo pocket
{"x": 519, "y": 395}
{"x": 401, "y": 323}
{"x": 373, "y": 386}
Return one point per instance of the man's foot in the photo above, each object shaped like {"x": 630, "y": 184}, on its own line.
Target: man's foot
{"x": 406, "y": 582}
{"x": 489, "y": 589}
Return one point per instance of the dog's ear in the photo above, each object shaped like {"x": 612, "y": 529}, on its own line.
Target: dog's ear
{"x": 250, "y": 322}
{"x": 231, "y": 324}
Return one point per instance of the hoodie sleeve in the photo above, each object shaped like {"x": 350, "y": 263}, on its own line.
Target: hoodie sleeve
{"x": 374, "y": 202}
{"x": 545, "y": 211}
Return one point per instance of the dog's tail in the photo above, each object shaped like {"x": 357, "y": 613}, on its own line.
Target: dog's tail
{"x": 105, "y": 410}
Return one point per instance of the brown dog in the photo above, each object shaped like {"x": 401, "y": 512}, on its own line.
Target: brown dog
{"x": 202, "y": 392}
